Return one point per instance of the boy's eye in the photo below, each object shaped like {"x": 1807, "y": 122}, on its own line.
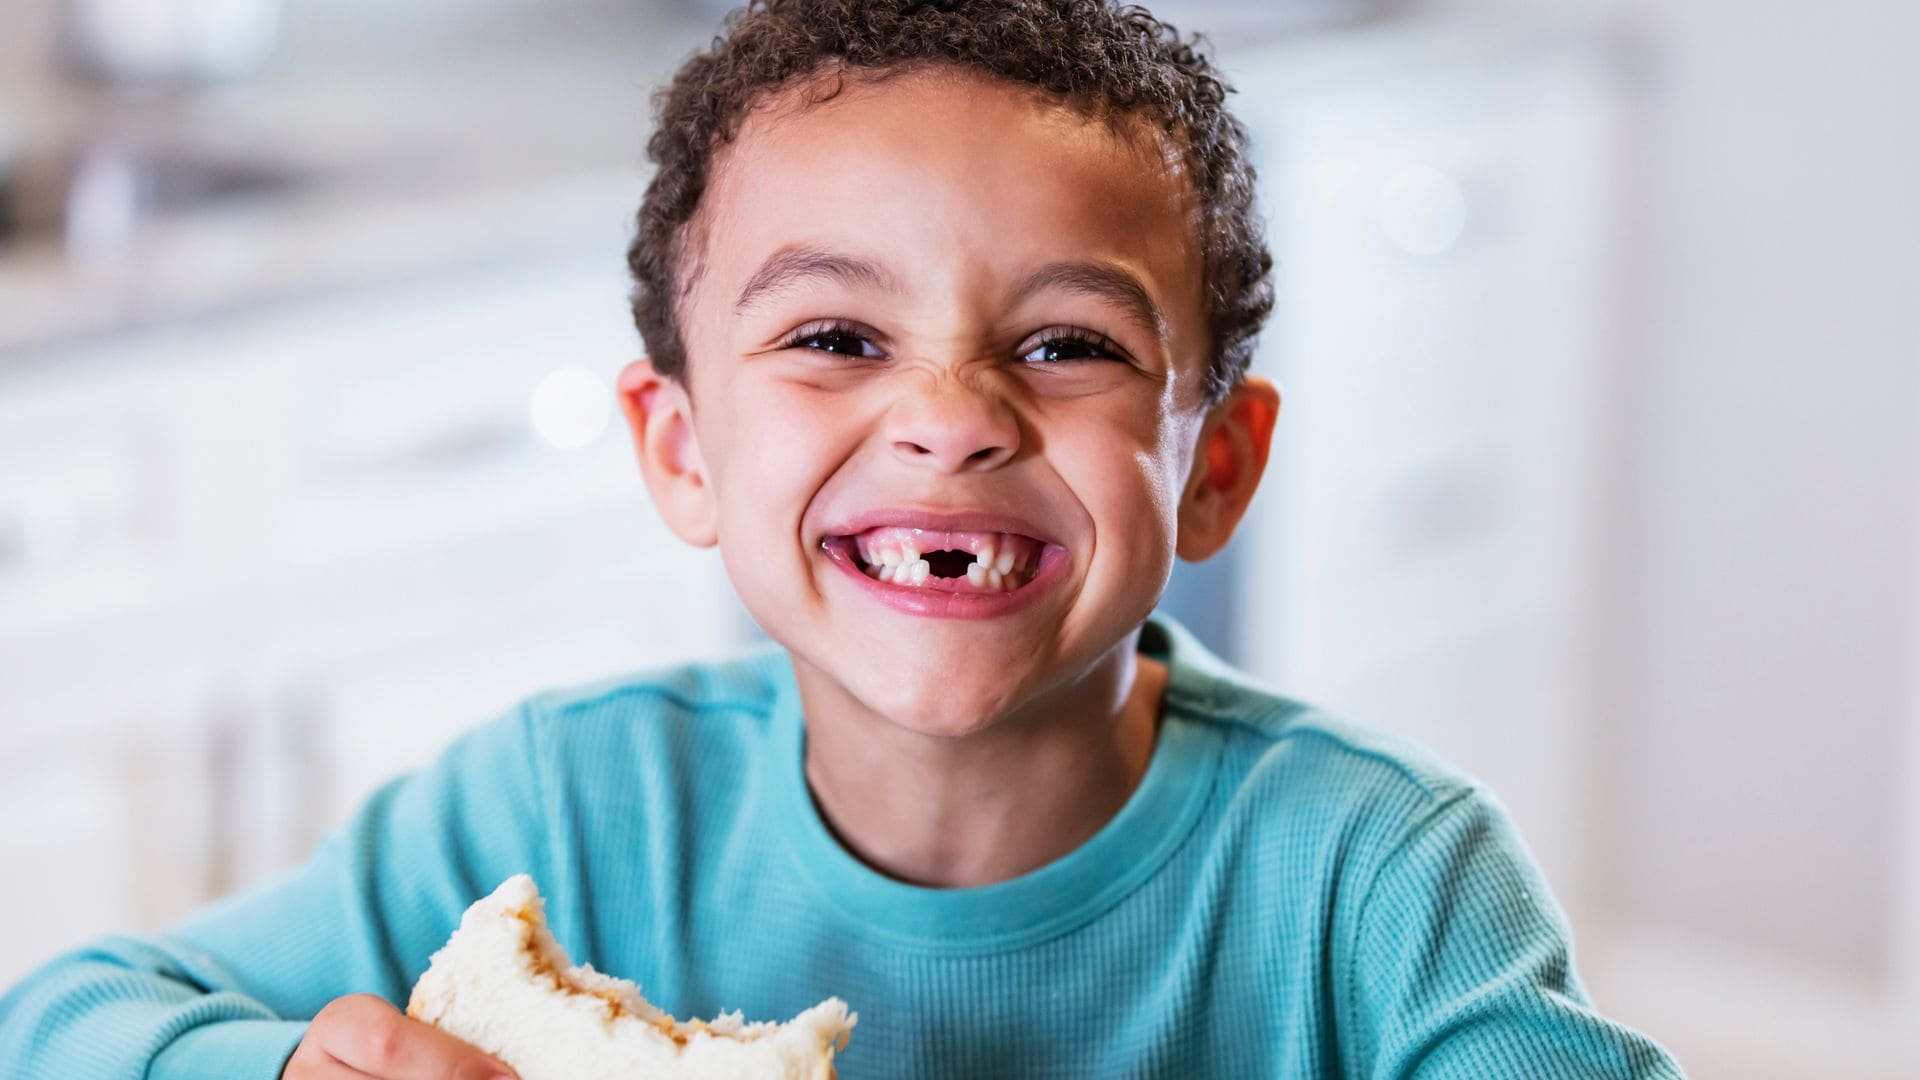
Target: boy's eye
{"x": 841, "y": 340}
{"x": 1072, "y": 345}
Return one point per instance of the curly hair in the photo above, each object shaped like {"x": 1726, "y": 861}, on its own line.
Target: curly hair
{"x": 1105, "y": 60}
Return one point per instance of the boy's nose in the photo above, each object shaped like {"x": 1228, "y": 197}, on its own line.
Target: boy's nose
{"x": 953, "y": 428}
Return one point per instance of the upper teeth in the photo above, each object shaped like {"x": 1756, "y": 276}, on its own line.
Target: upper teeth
{"x": 1000, "y": 560}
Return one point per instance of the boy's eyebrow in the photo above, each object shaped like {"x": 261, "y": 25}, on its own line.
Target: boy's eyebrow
{"x": 1102, "y": 281}
{"x": 793, "y": 264}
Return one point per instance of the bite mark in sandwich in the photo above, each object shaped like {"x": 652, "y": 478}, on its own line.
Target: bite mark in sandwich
{"x": 505, "y": 985}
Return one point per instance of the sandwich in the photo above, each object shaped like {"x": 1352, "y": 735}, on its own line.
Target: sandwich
{"x": 503, "y": 984}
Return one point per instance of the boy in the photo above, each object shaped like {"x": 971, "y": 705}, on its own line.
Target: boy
{"x": 948, "y": 310}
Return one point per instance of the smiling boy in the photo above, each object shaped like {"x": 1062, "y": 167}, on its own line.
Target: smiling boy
{"x": 948, "y": 310}
{"x": 941, "y": 313}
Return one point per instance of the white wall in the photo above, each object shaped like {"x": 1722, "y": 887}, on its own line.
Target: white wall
{"x": 1768, "y": 536}
{"x": 1768, "y": 636}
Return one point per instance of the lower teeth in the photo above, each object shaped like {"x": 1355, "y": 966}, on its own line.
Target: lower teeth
{"x": 920, "y": 571}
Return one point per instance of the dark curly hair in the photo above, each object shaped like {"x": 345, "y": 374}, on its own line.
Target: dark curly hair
{"x": 1107, "y": 61}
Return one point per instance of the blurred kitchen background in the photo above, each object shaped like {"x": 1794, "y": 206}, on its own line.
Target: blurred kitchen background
{"x": 1597, "y": 469}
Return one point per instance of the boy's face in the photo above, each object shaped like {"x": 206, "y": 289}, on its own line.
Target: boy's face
{"x": 941, "y": 303}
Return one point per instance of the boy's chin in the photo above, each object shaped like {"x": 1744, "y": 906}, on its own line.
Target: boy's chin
{"x": 931, "y": 704}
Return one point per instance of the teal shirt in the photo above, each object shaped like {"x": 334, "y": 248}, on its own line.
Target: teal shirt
{"x": 1284, "y": 895}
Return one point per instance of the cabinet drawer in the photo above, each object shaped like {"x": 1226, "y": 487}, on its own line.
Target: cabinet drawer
{"x": 82, "y": 524}
{"x": 103, "y": 839}
{"x": 455, "y": 409}
{"x": 65, "y": 834}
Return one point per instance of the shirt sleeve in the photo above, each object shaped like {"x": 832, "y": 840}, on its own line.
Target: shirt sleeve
{"x": 227, "y": 993}
{"x": 1461, "y": 966}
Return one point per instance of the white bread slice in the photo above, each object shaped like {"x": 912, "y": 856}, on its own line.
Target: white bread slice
{"x": 505, "y": 985}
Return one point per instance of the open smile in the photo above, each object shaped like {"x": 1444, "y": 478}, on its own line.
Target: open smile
{"x": 927, "y": 569}
{"x": 949, "y": 560}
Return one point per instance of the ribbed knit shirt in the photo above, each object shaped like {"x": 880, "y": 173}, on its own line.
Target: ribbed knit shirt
{"x": 1284, "y": 894}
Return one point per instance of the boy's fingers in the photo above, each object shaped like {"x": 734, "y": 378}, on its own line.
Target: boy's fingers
{"x": 310, "y": 1062}
{"x": 375, "y": 1039}
{"x": 322, "y": 1070}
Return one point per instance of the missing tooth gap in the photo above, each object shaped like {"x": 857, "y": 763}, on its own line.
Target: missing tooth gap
{"x": 948, "y": 563}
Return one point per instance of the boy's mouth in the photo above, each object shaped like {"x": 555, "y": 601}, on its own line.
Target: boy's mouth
{"x": 944, "y": 560}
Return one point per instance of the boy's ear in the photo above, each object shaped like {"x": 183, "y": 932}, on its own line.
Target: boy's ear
{"x": 1226, "y": 468}
{"x": 661, "y": 416}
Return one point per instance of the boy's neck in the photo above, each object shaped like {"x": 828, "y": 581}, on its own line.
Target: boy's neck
{"x": 963, "y": 812}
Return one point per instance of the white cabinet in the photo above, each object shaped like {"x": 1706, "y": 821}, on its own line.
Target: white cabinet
{"x": 66, "y": 830}
{"x": 85, "y": 521}
{"x": 466, "y": 632}
{"x": 106, "y": 786}
{"x": 253, "y": 565}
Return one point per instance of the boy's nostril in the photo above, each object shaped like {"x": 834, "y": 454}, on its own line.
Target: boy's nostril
{"x": 985, "y": 455}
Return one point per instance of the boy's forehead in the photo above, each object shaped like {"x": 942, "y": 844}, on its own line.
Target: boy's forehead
{"x": 942, "y": 176}
{"x": 955, "y": 133}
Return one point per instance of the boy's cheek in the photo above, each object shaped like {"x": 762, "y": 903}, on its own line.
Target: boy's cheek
{"x": 755, "y": 425}
{"x": 1126, "y": 451}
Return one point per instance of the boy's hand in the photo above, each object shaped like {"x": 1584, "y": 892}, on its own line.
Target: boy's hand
{"x": 360, "y": 1036}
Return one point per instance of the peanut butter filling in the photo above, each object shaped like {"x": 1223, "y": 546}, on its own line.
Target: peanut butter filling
{"x": 537, "y": 960}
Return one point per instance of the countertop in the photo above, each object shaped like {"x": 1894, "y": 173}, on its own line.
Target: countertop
{"x": 404, "y": 162}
